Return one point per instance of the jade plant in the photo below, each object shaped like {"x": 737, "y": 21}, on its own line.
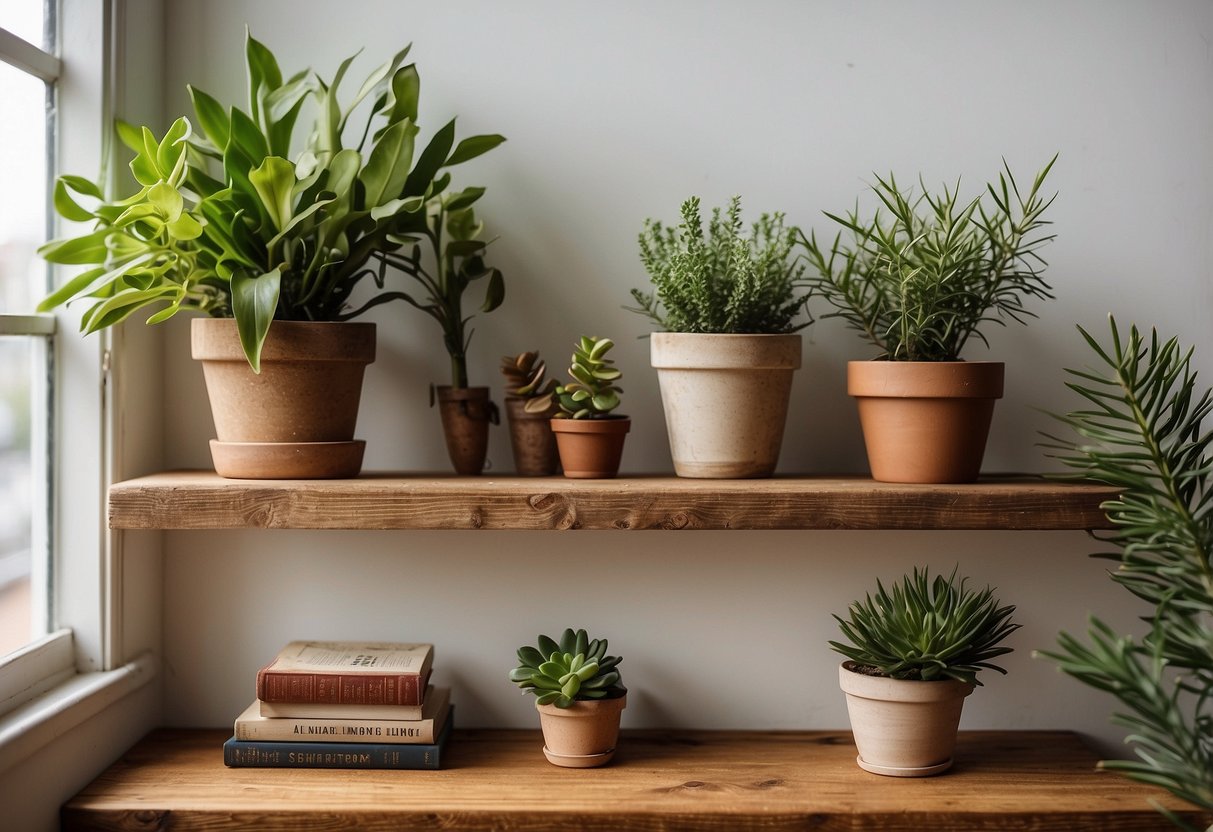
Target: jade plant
{"x": 526, "y": 378}
{"x": 922, "y": 276}
{"x": 575, "y": 668}
{"x": 924, "y": 629}
{"x": 245, "y": 220}
{"x": 724, "y": 282}
{"x": 1142, "y": 429}
{"x": 592, "y": 393}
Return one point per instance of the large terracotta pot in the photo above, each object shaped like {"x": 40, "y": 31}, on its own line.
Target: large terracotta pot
{"x": 591, "y": 448}
{"x": 903, "y": 728}
{"x": 466, "y": 415}
{"x": 725, "y": 400}
{"x": 925, "y": 421}
{"x": 532, "y": 440}
{"x": 296, "y": 418}
{"x": 582, "y": 735}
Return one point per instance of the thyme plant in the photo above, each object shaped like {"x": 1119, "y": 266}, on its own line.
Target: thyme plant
{"x": 927, "y": 630}
{"x": 922, "y": 277}
{"x": 724, "y": 282}
{"x": 1142, "y": 431}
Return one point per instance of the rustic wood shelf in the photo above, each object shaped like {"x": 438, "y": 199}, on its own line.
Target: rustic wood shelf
{"x": 203, "y": 500}
{"x": 660, "y": 780}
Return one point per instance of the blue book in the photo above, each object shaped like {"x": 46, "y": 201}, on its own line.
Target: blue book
{"x": 258, "y": 754}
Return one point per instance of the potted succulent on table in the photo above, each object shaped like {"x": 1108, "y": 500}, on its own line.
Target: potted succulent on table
{"x": 589, "y": 436}
{"x": 579, "y": 695}
{"x": 919, "y": 282}
{"x": 914, "y": 655}
{"x": 529, "y": 407}
{"x": 728, "y": 303}
{"x": 270, "y": 246}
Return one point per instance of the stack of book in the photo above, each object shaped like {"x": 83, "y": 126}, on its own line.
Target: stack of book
{"x": 336, "y": 704}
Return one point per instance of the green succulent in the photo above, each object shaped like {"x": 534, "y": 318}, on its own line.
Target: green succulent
{"x": 592, "y": 393}
{"x": 575, "y": 668}
{"x": 526, "y": 378}
{"x": 927, "y": 630}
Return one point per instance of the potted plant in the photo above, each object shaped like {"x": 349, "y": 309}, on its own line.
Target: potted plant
{"x": 270, "y": 247}
{"x": 529, "y": 407}
{"x": 727, "y": 303}
{"x": 588, "y": 435}
{"x": 918, "y": 281}
{"x": 913, "y": 657}
{"x": 579, "y": 696}
{"x": 1143, "y": 430}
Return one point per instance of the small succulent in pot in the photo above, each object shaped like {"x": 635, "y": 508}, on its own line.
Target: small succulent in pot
{"x": 592, "y": 393}
{"x": 925, "y": 629}
{"x": 575, "y": 668}
{"x": 526, "y": 378}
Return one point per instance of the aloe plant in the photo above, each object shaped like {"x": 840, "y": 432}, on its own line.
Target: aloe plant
{"x": 927, "y": 629}
{"x": 592, "y": 393}
{"x": 526, "y": 378}
{"x": 226, "y": 222}
{"x": 575, "y": 668}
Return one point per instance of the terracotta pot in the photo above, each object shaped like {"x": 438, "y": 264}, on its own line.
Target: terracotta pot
{"x": 725, "y": 400}
{"x": 925, "y": 421}
{"x": 296, "y": 418}
{"x": 466, "y": 414}
{"x": 531, "y": 439}
{"x": 582, "y": 735}
{"x": 591, "y": 448}
{"x": 903, "y": 728}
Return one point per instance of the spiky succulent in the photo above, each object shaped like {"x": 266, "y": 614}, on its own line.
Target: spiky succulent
{"x": 560, "y": 673}
{"x": 927, "y": 630}
{"x": 592, "y": 393}
{"x": 525, "y": 378}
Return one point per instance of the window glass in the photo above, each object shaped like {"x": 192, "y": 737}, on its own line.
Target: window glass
{"x": 18, "y": 411}
{"x": 24, "y": 19}
{"x": 23, "y": 204}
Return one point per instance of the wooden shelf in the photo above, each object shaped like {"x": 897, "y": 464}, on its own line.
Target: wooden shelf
{"x": 203, "y": 500}
{"x": 660, "y": 780}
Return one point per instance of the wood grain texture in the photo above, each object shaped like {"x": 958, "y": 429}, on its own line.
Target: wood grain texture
{"x": 660, "y": 780}
{"x": 203, "y": 500}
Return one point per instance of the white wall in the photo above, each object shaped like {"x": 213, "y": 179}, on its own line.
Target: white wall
{"x": 615, "y": 112}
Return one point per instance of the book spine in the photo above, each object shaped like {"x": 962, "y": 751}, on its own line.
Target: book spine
{"x": 256, "y": 754}
{"x": 339, "y": 689}
{"x": 286, "y": 729}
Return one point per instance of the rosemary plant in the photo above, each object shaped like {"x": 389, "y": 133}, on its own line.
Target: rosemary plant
{"x": 920, "y": 281}
{"x": 725, "y": 282}
{"x": 576, "y": 667}
{"x": 1142, "y": 432}
{"x": 927, "y": 630}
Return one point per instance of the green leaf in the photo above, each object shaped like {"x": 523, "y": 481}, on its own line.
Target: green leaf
{"x": 172, "y": 146}
{"x": 406, "y": 92}
{"x": 263, "y": 72}
{"x": 495, "y": 293}
{"x": 185, "y": 228}
{"x": 247, "y": 136}
{"x": 431, "y": 160}
{"x": 254, "y": 302}
{"x": 129, "y": 134}
{"x": 88, "y": 248}
{"x": 374, "y": 79}
{"x": 212, "y": 118}
{"x": 121, "y": 305}
{"x": 464, "y": 198}
{"x": 405, "y": 205}
{"x": 274, "y": 180}
{"x": 387, "y": 169}
{"x": 166, "y": 200}
{"x": 67, "y": 207}
{"x": 472, "y": 147}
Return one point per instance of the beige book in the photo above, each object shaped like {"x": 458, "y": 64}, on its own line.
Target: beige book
{"x": 324, "y": 710}
{"x": 251, "y": 725}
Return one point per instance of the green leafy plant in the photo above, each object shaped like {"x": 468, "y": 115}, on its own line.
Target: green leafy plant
{"x": 927, "y": 629}
{"x": 922, "y": 279}
{"x": 592, "y": 394}
{"x": 526, "y": 378}
{"x": 575, "y": 668}
{"x": 228, "y": 223}
{"x": 726, "y": 282}
{"x": 1142, "y": 431}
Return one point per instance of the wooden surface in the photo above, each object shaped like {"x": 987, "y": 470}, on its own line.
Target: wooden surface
{"x": 660, "y": 780}
{"x": 203, "y": 500}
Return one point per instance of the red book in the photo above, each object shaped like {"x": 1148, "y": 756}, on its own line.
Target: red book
{"x": 347, "y": 673}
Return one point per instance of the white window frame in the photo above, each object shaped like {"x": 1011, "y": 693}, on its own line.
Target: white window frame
{"x": 72, "y": 673}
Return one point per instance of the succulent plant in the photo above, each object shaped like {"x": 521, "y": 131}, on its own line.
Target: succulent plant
{"x": 525, "y": 378}
{"x": 592, "y": 393}
{"x": 927, "y": 630}
{"x": 575, "y": 668}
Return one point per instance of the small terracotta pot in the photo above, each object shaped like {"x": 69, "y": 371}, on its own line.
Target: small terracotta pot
{"x": 296, "y": 418}
{"x": 925, "y": 421}
{"x": 591, "y": 448}
{"x": 582, "y": 735}
{"x": 725, "y": 399}
{"x": 466, "y": 414}
{"x": 531, "y": 439}
{"x": 903, "y": 728}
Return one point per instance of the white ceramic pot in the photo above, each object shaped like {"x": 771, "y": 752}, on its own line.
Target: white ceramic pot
{"x": 725, "y": 400}
{"x": 903, "y": 728}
